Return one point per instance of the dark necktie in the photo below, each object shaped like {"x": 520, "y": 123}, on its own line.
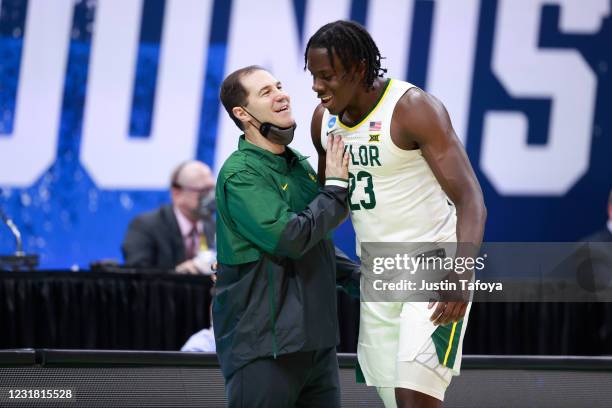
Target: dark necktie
{"x": 192, "y": 240}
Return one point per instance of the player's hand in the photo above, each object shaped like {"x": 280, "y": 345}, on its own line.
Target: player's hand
{"x": 447, "y": 312}
{"x": 336, "y": 159}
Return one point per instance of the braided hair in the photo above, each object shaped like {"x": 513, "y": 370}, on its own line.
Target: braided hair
{"x": 352, "y": 44}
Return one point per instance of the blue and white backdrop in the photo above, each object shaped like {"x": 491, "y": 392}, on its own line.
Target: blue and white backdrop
{"x": 99, "y": 100}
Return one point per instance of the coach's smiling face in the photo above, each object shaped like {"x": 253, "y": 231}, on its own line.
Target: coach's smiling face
{"x": 266, "y": 100}
{"x": 335, "y": 86}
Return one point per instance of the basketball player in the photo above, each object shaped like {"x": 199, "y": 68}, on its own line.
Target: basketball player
{"x": 411, "y": 181}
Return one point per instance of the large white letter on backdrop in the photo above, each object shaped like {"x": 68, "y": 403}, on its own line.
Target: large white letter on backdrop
{"x": 563, "y": 76}
{"x": 113, "y": 159}
{"x": 31, "y": 148}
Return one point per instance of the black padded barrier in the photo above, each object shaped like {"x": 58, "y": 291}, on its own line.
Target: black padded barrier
{"x": 98, "y": 378}
{"x": 17, "y": 357}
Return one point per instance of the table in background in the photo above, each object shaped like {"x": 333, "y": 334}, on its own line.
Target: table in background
{"x": 154, "y": 311}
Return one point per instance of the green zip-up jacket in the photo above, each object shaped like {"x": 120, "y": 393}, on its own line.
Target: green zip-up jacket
{"x": 277, "y": 273}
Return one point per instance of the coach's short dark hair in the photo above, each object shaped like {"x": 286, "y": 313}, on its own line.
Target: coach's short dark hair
{"x": 233, "y": 92}
{"x": 352, "y": 44}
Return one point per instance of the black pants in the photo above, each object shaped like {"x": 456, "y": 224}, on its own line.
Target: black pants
{"x": 303, "y": 379}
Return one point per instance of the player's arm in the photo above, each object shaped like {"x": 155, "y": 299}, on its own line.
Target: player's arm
{"x": 422, "y": 119}
{"x": 315, "y": 133}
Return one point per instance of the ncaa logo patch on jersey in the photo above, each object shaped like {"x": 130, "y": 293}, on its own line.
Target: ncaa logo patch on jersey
{"x": 331, "y": 122}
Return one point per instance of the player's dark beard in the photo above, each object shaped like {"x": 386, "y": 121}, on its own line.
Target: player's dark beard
{"x": 275, "y": 134}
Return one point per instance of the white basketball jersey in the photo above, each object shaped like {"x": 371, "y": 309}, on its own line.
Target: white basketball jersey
{"x": 393, "y": 196}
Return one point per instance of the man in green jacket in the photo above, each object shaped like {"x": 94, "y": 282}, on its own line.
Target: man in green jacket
{"x": 275, "y": 318}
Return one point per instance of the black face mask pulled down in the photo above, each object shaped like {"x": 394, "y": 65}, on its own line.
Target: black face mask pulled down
{"x": 275, "y": 134}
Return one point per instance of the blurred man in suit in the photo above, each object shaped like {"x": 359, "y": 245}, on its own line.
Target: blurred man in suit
{"x": 593, "y": 257}
{"x": 604, "y": 234}
{"x": 180, "y": 235}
